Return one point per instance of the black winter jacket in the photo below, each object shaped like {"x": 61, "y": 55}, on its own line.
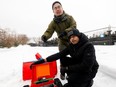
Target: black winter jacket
{"x": 82, "y": 65}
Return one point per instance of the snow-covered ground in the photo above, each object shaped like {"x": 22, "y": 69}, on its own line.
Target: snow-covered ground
{"x": 11, "y": 61}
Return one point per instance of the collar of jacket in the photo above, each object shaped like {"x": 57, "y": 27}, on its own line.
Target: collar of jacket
{"x": 60, "y": 18}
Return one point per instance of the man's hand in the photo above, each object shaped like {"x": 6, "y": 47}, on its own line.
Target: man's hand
{"x": 37, "y": 62}
{"x": 62, "y": 34}
{"x": 44, "y": 38}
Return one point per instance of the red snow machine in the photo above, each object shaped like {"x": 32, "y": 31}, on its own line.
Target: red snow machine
{"x": 41, "y": 75}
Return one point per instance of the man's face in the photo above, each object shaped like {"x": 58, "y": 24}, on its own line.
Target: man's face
{"x": 57, "y": 9}
{"x": 74, "y": 39}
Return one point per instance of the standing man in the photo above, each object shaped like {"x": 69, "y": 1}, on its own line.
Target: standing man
{"x": 62, "y": 23}
{"x": 82, "y": 66}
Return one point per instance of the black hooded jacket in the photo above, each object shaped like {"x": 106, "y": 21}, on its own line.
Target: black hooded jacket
{"x": 82, "y": 65}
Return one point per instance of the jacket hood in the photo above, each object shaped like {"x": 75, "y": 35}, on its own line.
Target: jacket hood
{"x": 82, "y": 40}
{"x": 74, "y": 32}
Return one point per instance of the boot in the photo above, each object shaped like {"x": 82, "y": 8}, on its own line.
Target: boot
{"x": 57, "y": 82}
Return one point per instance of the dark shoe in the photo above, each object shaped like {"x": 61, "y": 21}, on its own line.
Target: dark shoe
{"x": 91, "y": 83}
{"x": 57, "y": 82}
{"x": 66, "y": 85}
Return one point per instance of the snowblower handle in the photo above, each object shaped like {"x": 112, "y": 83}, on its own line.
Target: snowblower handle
{"x": 38, "y": 56}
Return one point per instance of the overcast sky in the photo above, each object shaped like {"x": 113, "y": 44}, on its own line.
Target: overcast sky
{"x": 31, "y": 17}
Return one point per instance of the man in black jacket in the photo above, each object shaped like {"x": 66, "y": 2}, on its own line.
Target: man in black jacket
{"x": 82, "y": 66}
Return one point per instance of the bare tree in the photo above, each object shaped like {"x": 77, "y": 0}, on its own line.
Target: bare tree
{"x": 9, "y": 39}
{"x": 22, "y": 39}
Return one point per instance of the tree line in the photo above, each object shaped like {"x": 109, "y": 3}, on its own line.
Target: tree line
{"x": 9, "y": 39}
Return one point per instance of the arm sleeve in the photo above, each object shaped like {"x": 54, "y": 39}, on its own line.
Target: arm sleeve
{"x": 58, "y": 55}
{"x": 88, "y": 61}
{"x": 50, "y": 30}
{"x": 72, "y": 24}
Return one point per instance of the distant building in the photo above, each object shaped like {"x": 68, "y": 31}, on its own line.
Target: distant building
{"x": 102, "y": 36}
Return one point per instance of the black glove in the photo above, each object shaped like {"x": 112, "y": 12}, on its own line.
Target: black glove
{"x": 37, "y": 62}
{"x": 62, "y": 34}
{"x": 63, "y": 70}
{"x": 43, "y": 38}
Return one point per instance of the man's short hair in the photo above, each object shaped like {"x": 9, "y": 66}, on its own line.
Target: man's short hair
{"x": 55, "y": 3}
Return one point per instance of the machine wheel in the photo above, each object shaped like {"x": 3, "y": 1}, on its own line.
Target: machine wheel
{"x": 26, "y": 86}
{"x": 51, "y": 85}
